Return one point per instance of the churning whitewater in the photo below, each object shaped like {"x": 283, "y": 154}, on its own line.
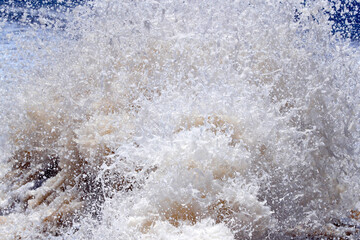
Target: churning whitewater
{"x": 181, "y": 120}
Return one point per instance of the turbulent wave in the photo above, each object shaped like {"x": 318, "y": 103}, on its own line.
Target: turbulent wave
{"x": 182, "y": 120}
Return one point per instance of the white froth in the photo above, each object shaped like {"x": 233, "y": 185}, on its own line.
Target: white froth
{"x": 181, "y": 120}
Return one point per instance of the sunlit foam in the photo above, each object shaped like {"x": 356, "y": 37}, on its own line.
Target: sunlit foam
{"x": 135, "y": 122}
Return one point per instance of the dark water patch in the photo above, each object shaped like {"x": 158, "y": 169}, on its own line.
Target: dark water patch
{"x": 36, "y": 4}
{"x": 345, "y": 16}
{"x": 48, "y": 13}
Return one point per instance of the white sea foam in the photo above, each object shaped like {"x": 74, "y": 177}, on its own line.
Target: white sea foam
{"x": 186, "y": 120}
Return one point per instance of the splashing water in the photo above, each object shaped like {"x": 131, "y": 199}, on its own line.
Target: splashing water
{"x": 185, "y": 120}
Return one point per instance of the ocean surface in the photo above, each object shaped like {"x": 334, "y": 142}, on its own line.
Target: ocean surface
{"x": 179, "y": 119}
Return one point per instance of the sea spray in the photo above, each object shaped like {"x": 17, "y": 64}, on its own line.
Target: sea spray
{"x": 148, "y": 120}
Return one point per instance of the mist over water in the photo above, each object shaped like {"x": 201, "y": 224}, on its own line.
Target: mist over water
{"x": 185, "y": 120}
